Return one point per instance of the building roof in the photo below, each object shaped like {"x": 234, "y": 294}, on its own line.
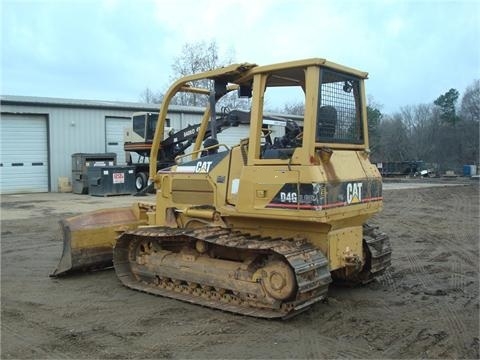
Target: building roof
{"x": 113, "y": 105}
{"x": 97, "y": 104}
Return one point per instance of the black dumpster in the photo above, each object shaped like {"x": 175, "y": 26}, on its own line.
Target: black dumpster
{"x": 81, "y": 162}
{"x": 111, "y": 180}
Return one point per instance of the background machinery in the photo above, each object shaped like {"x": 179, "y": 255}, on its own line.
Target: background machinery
{"x": 138, "y": 140}
{"x": 261, "y": 228}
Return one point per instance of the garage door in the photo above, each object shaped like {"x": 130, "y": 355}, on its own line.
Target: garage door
{"x": 114, "y": 136}
{"x": 232, "y": 135}
{"x": 24, "y": 154}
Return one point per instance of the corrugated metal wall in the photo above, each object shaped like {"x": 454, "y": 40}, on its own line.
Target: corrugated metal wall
{"x": 82, "y": 129}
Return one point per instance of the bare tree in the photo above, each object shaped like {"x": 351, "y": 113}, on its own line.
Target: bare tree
{"x": 374, "y": 118}
{"x": 294, "y": 108}
{"x": 197, "y": 57}
{"x": 150, "y": 97}
{"x": 470, "y": 106}
{"x": 469, "y": 130}
{"x": 418, "y": 121}
{"x": 394, "y": 141}
{"x": 194, "y": 58}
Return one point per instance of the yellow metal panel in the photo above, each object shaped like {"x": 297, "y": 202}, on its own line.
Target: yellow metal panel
{"x": 256, "y": 118}
{"x": 311, "y": 100}
{"x": 341, "y": 242}
{"x": 192, "y": 184}
{"x": 236, "y": 164}
{"x": 192, "y": 191}
{"x": 191, "y": 198}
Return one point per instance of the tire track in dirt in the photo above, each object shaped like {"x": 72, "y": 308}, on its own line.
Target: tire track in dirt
{"x": 327, "y": 347}
{"x": 460, "y": 237}
{"x": 451, "y": 318}
{"x": 14, "y": 330}
{"x": 75, "y": 325}
{"x": 454, "y": 324}
{"x": 387, "y": 280}
{"x": 463, "y": 245}
{"x": 323, "y": 347}
{"x": 458, "y": 281}
{"x": 452, "y": 237}
{"x": 27, "y": 248}
{"x": 415, "y": 258}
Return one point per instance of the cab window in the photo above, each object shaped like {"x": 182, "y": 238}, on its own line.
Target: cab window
{"x": 339, "y": 109}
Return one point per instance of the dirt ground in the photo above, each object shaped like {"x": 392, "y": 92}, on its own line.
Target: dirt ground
{"x": 425, "y": 306}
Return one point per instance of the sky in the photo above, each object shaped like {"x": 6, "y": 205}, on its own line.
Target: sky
{"x": 414, "y": 51}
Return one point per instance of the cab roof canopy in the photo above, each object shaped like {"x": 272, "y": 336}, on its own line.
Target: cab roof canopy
{"x": 283, "y": 74}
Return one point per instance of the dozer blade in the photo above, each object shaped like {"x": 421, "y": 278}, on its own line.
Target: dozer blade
{"x": 88, "y": 239}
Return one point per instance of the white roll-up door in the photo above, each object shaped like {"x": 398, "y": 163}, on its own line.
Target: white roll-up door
{"x": 114, "y": 136}
{"x": 231, "y": 136}
{"x": 24, "y": 154}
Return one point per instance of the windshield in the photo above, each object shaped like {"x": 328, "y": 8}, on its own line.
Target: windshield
{"x": 151, "y": 125}
{"x": 139, "y": 125}
{"x": 339, "y": 113}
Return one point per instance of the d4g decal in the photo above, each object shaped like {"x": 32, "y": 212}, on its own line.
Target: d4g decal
{"x": 288, "y": 197}
{"x": 321, "y": 196}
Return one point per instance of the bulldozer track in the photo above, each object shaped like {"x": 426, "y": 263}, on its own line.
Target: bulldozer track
{"x": 380, "y": 251}
{"x": 309, "y": 265}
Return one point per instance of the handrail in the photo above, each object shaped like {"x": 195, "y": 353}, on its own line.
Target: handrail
{"x": 199, "y": 151}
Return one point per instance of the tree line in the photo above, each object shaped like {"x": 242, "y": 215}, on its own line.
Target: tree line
{"x": 444, "y": 133}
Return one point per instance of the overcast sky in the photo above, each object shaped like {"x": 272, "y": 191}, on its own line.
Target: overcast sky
{"x": 414, "y": 51}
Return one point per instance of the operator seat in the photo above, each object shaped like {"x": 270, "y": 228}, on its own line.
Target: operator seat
{"x": 208, "y": 143}
{"x": 327, "y": 122}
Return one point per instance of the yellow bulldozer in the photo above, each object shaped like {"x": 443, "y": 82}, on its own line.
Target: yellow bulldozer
{"x": 261, "y": 228}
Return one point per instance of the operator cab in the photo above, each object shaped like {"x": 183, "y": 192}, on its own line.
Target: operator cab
{"x": 336, "y": 121}
{"x": 144, "y": 124}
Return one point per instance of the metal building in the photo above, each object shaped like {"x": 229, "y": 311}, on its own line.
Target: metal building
{"x": 39, "y": 136}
